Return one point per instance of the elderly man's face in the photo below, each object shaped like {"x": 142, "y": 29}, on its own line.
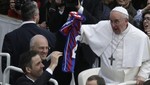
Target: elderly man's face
{"x": 41, "y": 46}
{"x": 118, "y": 22}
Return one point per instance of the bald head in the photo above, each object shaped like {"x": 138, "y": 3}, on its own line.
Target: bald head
{"x": 40, "y": 44}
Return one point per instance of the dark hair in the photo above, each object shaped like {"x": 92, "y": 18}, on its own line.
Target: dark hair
{"x": 145, "y": 12}
{"x": 19, "y": 3}
{"x": 100, "y": 80}
{"x": 141, "y": 24}
{"x": 25, "y": 59}
{"x": 28, "y": 10}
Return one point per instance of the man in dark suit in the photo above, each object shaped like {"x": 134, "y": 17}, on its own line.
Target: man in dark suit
{"x": 57, "y": 15}
{"x": 17, "y": 41}
{"x": 31, "y": 64}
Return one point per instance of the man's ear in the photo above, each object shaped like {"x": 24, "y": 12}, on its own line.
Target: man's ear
{"x": 28, "y": 69}
{"x": 35, "y": 17}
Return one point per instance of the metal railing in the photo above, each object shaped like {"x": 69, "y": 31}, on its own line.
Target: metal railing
{"x": 7, "y": 55}
{"x": 6, "y": 72}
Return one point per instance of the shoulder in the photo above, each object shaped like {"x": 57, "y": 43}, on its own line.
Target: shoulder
{"x": 12, "y": 33}
{"x": 137, "y": 32}
{"x": 23, "y": 81}
{"x": 104, "y": 23}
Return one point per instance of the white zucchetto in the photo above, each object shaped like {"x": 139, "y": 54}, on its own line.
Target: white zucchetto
{"x": 121, "y": 9}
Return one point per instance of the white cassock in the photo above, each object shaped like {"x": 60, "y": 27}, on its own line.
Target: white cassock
{"x": 130, "y": 50}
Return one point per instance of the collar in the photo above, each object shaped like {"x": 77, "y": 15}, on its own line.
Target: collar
{"x": 26, "y": 22}
{"x": 126, "y": 30}
{"x": 30, "y": 78}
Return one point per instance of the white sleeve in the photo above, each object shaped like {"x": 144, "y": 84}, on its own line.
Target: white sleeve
{"x": 145, "y": 70}
{"x": 49, "y": 70}
{"x": 81, "y": 10}
{"x": 145, "y": 67}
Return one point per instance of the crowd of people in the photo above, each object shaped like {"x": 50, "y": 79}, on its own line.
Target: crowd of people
{"x": 108, "y": 39}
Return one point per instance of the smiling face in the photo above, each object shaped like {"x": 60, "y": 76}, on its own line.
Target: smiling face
{"x": 118, "y": 22}
{"x": 146, "y": 22}
{"x": 40, "y": 44}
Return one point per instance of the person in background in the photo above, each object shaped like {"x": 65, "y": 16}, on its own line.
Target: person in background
{"x": 17, "y": 41}
{"x": 31, "y": 64}
{"x": 138, "y": 4}
{"x": 13, "y": 12}
{"x": 15, "y": 8}
{"x": 146, "y": 22}
{"x": 138, "y": 18}
{"x": 107, "y": 5}
{"x": 127, "y": 4}
{"x": 95, "y": 80}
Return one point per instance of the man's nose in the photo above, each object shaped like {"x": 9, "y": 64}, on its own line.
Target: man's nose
{"x": 42, "y": 65}
{"x": 113, "y": 25}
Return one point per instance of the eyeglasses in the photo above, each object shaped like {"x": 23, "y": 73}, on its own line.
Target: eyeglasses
{"x": 116, "y": 21}
{"x": 146, "y": 18}
{"x": 42, "y": 48}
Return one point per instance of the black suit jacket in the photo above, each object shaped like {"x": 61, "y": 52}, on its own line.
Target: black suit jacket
{"x": 17, "y": 41}
{"x": 42, "y": 80}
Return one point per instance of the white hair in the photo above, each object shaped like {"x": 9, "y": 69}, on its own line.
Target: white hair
{"x": 34, "y": 40}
